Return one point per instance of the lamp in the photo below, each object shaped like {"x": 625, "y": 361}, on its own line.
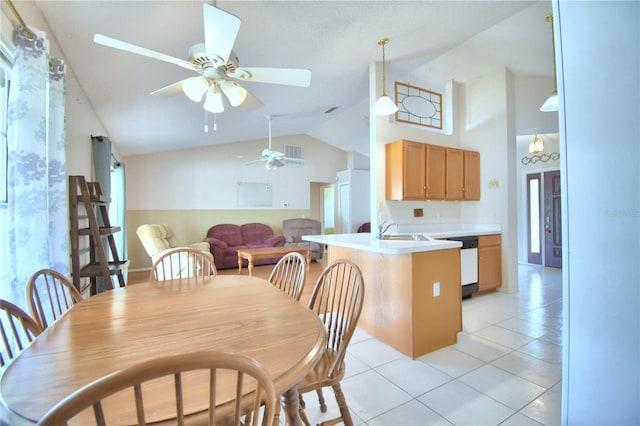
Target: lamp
{"x": 234, "y": 92}
{"x": 536, "y": 146}
{"x": 384, "y": 105}
{"x": 213, "y": 103}
{"x": 551, "y": 104}
{"x": 195, "y": 87}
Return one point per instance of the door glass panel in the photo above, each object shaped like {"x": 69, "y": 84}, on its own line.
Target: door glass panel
{"x": 534, "y": 215}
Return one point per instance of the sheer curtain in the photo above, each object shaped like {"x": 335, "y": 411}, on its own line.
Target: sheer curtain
{"x": 36, "y": 218}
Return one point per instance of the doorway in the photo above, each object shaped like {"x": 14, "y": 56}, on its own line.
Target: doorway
{"x": 544, "y": 225}
{"x": 328, "y": 209}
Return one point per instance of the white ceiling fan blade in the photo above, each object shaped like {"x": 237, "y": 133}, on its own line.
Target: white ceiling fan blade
{"x": 287, "y": 76}
{"x": 128, "y": 47}
{"x": 220, "y": 31}
{"x": 251, "y": 102}
{"x": 171, "y": 89}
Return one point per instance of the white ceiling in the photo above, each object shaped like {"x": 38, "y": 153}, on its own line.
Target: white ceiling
{"x": 336, "y": 40}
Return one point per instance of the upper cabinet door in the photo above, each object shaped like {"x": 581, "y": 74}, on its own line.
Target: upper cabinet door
{"x": 405, "y": 170}
{"x": 436, "y": 172}
{"x": 471, "y": 175}
{"x": 455, "y": 174}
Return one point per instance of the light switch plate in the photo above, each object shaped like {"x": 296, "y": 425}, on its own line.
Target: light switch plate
{"x": 436, "y": 289}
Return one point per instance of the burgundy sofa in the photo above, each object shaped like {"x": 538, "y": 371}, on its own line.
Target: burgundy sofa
{"x": 225, "y": 240}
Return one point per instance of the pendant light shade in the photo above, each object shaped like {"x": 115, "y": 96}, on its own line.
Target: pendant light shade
{"x": 195, "y": 87}
{"x": 551, "y": 104}
{"x": 234, "y": 92}
{"x": 384, "y": 105}
{"x": 536, "y": 146}
{"x": 213, "y": 103}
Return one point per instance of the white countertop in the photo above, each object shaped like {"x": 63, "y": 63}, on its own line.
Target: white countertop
{"x": 365, "y": 241}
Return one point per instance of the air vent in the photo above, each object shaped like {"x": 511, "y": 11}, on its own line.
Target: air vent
{"x": 293, "y": 154}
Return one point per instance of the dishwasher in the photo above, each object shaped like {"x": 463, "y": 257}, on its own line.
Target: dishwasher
{"x": 468, "y": 264}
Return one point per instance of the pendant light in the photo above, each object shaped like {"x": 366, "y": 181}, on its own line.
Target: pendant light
{"x": 551, "y": 104}
{"x": 536, "y": 146}
{"x": 384, "y": 105}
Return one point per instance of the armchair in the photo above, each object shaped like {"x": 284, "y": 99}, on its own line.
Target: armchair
{"x": 158, "y": 238}
{"x": 294, "y": 229}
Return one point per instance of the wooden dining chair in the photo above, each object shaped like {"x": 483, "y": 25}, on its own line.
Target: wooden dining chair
{"x": 49, "y": 295}
{"x": 251, "y": 389}
{"x": 183, "y": 262}
{"x": 18, "y": 330}
{"x": 337, "y": 299}
{"x": 289, "y": 274}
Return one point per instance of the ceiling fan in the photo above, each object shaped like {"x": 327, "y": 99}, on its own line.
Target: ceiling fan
{"x": 273, "y": 159}
{"x": 216, "y": 64}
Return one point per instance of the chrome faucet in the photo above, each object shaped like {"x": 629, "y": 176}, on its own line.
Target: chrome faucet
{"x": 382, "y": 228}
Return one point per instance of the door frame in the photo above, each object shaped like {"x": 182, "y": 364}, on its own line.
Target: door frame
{"x": 543, "y": 197}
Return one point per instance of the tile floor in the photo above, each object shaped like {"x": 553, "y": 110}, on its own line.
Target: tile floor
{"x": 505, "y": 369}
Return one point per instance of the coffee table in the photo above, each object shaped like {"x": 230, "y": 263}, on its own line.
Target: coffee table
{"x": 252, "y": 254}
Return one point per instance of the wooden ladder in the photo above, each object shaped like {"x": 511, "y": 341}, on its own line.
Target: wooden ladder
{"x": 88, "y": 195}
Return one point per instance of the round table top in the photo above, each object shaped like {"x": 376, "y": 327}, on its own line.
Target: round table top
{"x": 121, "y": 327}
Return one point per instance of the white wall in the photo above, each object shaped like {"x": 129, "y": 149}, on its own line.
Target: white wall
{"x": 598, "y": 46}
{"x": 206, "y": 178}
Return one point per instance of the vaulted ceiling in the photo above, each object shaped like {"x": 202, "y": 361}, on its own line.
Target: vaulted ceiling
{"x": 336, "y": 40}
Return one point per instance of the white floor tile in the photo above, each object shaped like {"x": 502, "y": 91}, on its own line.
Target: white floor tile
{"x": 462, "y": 405}
{"x": 451, "y": 361}
{"x": 373, "y": 352}
{"x": 354, "y": 366}
{"x": 380, "y": 394}
{"x": 546, "y": 351}
{"x": 540, "y": 372}
{"x": 413, "y": 413}
{"x": 481, "y": 348}
{"x": 504, "y": 337}
{"x": 546, "y": 409}
{"x": 519, "y": 419}
{"x": 523, "y": 326}
{"x": 413, "y": 376}
{"x": 506, "y": 388}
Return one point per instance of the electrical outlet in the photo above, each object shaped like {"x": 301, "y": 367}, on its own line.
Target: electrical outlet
{"x": 418, "y": 213}
{"x": 436, "y": 289}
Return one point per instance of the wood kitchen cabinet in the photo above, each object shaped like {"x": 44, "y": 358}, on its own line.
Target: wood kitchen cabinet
{"x": 489, "y": 262}
{"x": 415, "y": 171}
{"x": 463, "y": 174}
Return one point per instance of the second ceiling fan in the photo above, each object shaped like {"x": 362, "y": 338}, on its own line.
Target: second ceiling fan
{"x": 216, "y": 64}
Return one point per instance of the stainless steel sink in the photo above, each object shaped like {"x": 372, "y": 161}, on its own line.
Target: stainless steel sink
{"x": 405, "y": 237}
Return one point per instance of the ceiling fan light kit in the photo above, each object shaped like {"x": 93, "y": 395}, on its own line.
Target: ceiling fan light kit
{"x": 384, "y": 105}
{"x": 213, "y": 102}
{"x": 195, "y": 88}
{"x": 216, "y": 63}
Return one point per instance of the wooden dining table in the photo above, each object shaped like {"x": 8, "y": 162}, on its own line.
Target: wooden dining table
{"x": 118, "y": 328}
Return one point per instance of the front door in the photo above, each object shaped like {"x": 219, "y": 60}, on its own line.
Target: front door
{"x": 552, "y": 220}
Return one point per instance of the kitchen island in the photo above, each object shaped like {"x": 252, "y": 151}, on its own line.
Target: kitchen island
{"x": 412, "y": 297}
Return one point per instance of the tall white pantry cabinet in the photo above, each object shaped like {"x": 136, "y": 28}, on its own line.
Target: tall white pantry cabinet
{"x": 352, "y": 199}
